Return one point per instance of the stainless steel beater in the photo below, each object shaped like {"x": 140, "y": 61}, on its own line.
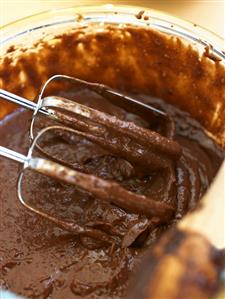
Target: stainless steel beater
{"x": 98, "y": 127}
{"x": 47, "y": 105}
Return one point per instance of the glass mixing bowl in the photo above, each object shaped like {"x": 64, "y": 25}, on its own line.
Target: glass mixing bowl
{"x": 24, "y": 33}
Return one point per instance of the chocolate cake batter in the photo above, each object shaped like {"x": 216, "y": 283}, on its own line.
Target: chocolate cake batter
{"x": 40, "y": 260}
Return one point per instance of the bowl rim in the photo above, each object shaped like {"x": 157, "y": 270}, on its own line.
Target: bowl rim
{"x": 112, "y": 7}
{"x": 157, "y": 20}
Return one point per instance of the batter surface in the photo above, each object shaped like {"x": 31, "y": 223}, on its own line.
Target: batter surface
{"x": 40, "y": 260}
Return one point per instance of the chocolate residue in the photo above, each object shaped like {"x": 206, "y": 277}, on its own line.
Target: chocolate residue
{"x": 11, "y": 49}
{"x": 189, "y": 74}
{"x": 209, "y": 54}
{"x": 140, "y": 14}
{"x": 195, "y": 275}
{"x": 79, "y": 17}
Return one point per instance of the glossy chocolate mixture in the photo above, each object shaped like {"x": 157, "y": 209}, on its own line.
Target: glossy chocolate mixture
{"x": 40, "y": 260}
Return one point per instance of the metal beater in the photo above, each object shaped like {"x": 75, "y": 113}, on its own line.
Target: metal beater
{"x": 97, "y": 127}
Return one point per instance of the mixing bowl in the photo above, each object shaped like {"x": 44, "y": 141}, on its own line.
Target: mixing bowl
{"x": 125, "y": 47}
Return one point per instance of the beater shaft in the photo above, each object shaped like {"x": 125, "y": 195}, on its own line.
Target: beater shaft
{"x": 13, "y": 98}
{"x": 12, "y": 155}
